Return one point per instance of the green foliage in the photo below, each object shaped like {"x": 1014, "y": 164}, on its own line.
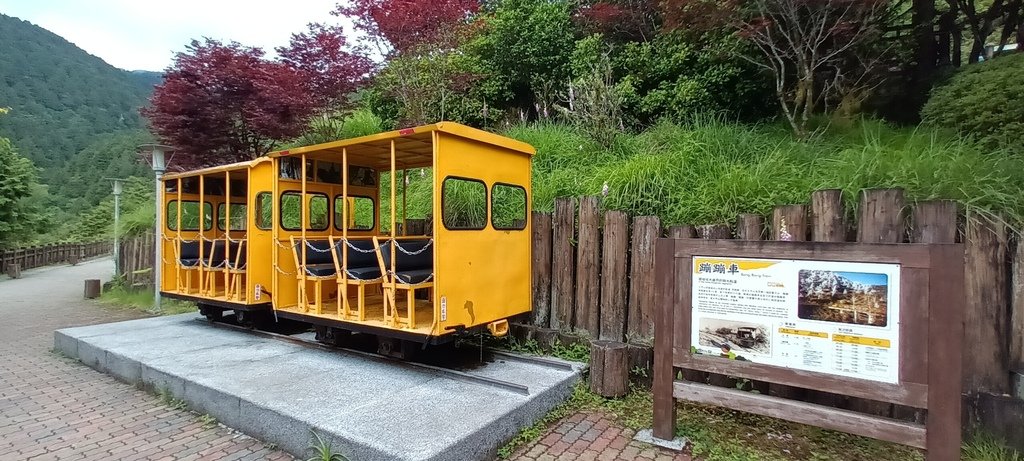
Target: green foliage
{"x": 983, "y": 102}
{"x": 21, "y": 215}
{"x": 675, "y": 76}
{"x": 708, "y": 170}
{"x": 985, "y": 447}
{"x": 526, "y": 46}
{"x": 122, "y": 297}
{"x": 333, "y": 127}
{"x": 83, "y": 177}
{"x": 60, "y": 96}
{"x": 96, "y": 223}
{"x": 322, "y": 449}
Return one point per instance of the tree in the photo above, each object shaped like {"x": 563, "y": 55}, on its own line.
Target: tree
{"x": 981, "y": 24}
{"x": 221, "y": 103}
{"x": 401, "y": 26}
{"x": 329, "y": 70}
{"x": 20, "y": 218}
{"x": 816, "y": 50}
{"x": 528, "y": 44}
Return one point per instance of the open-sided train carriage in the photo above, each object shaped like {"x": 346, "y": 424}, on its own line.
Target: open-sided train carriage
{"x": 325, "y": 234}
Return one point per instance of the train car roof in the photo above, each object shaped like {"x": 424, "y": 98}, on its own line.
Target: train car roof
{"x": 216, "y": 169}
{"x": 414, "y": 145}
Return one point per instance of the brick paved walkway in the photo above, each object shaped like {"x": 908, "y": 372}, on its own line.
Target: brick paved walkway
{"x": 52, "y": 408}
{"x": 592, "y": 436}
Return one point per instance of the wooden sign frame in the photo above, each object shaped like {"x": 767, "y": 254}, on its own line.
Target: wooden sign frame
{"x": 931, "y": 334}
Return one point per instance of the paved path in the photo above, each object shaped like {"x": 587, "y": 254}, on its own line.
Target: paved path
{"x": 52, "y": 408}
{"x": 589, "y": 436}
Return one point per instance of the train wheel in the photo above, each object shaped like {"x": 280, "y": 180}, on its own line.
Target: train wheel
{"x": 396, "y": 348}
{"x": 246, "y": 319}
{"x": 332, "y": 336}
{"x": 211, "y": 314}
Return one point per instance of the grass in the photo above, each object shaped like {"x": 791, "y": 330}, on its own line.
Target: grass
{"x": 322, "y": 449}
{"x": 984, "y": 447}
{"x": 142, "y": 300}
{"x": 710, "y": 170}
{"x": 718, "y": 434}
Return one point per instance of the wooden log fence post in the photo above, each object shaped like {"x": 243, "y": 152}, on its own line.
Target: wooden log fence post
{"x": 882, "y": 218}
{"x": 541, "y": 268}
{"x": 640, "y": 318}
{"x": 614, "y": 276}
{"x": 789, "y": 223}
{"x": 985, "y": 322}
{"x": 750, "y": 226}
{"x": 609, "y": 374}
{"x": 588, "y": 268}
{"x": 563, "y": 262}
{"x": 828, "y": 216}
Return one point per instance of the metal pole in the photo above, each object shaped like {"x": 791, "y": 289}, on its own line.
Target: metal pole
{"x": 117, "y": 232}
{"x": 158, "y": 242}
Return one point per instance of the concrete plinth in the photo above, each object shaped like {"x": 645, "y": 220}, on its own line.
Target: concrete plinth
{"x": 279, "y": 392}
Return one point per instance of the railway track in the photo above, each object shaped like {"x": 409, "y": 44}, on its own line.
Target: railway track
{"x": 451, "y": 373}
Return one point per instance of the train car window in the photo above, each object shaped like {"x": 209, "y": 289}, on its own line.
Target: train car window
{"x": 328, "y": 172}
{"x": 463, "y": 204}
{"x": 291, "y": 213}
{"x": 264, "y": 210}
{"x": 289, "y": 167}
{"x": 362, "y": 213}
{"x": 319, "y": 214}
{"x": 189, "y": 215}
{"x": 508, "y": 207}
{"x": 239, "y": 187}
{"x": 310, "y": 170}
{"x": 238, "y": 215}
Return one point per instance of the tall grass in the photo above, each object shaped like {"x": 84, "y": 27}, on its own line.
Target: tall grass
{"x": 710, "y": 170}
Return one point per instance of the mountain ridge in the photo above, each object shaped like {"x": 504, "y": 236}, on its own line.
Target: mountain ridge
{"x": 62, "y": 98}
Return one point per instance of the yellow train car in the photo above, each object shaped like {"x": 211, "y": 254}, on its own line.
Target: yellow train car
{"x": 324, "y": 234}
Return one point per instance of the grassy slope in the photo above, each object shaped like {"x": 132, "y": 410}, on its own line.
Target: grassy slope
{"x": 710, "y": 171}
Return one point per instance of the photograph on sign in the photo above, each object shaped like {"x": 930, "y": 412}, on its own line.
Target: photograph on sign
{"x": 845, "y": 297}
{"x": 832, "y": 317}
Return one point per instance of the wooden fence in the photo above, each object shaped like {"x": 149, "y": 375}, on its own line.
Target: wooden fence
{"x": 38, "y": 256}
{"x": 594, "y": 272}
{"x": 135, "y": 260}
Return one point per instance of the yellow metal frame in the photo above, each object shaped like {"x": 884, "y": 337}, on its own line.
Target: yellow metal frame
{"x": 480, "y": 277}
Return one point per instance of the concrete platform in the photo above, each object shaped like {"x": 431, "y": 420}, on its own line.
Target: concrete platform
{"x": 370, "y": 409}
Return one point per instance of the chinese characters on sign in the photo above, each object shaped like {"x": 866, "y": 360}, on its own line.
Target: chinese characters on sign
{"x": 830, "y": 317}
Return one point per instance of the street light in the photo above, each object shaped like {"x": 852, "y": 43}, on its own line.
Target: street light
{"x": 156, "y": 154}
{"x": 118, "y": 183}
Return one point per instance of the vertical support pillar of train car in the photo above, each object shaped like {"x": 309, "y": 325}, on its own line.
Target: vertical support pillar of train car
{"x": 177, "y": 238}
{"x": 343, "y": 306}
{"x": 405, "y": 201}
{"x": 391, "y": 276}
{"x": 202, "y": 234}
{"x": 227, "y": 234}
{"x": 275, "y": 234}
{"x": 303, "y": 220}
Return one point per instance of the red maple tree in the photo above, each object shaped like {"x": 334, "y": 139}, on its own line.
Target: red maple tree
{"x": 402, "y": 25}
{"x": 329, "y": 69}
{"x": 222, "y": 103}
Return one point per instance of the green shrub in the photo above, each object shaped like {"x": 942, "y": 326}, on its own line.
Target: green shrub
{"x": 709, "y": 170}
{"x": 984, "y": 102}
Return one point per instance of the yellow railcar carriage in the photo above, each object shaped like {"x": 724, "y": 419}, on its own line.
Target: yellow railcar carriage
{"x": 325, "y": 234}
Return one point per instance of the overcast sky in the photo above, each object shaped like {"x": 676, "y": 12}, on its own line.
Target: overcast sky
{"x": 145, "y": 34}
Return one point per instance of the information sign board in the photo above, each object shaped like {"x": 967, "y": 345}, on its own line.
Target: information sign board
{"x": 840, "y": 318}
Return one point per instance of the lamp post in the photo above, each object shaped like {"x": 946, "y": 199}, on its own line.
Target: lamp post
{"x": 117, "y": 228}
{"x": 158, "y": 162}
